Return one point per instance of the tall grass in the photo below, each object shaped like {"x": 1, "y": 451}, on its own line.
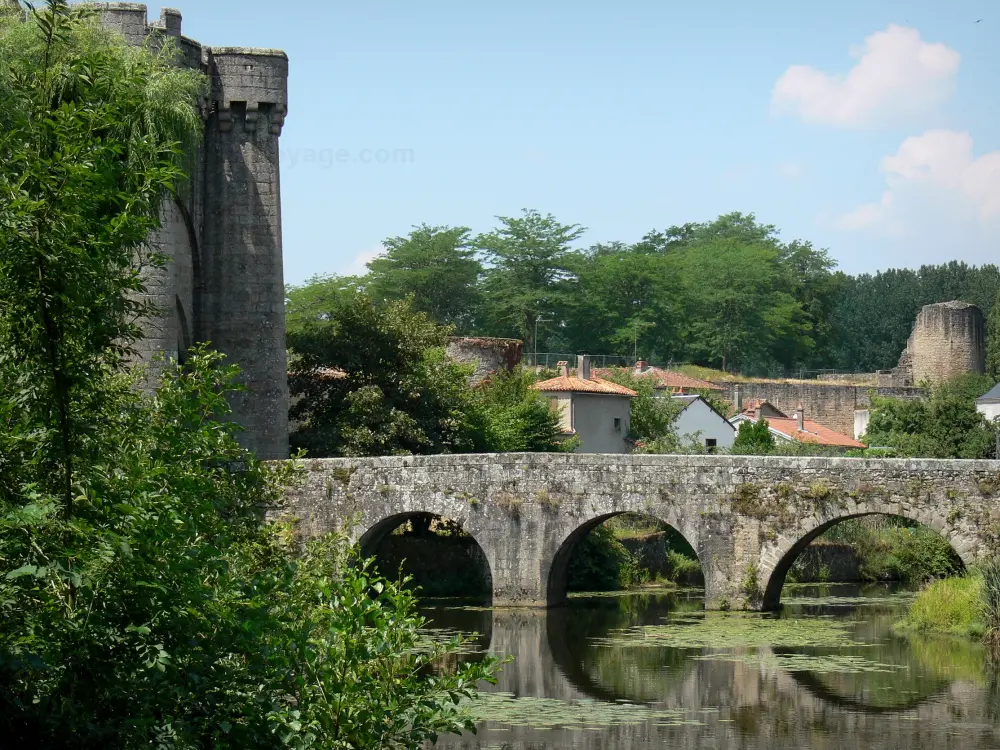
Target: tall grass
{"x": 991, "y": 600}
{"x": 951, "y": 605}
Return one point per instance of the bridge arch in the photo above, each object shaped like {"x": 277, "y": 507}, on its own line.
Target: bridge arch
{"x": 788, "y": 549}
{"x": 557, "y": 580}
{"x": 371, "y": 540}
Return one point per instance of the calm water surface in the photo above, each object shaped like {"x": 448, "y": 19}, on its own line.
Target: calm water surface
{"x": 653, "y": 670}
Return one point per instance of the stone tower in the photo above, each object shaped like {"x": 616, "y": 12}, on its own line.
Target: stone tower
{"x": 224, "y": 283}
{"x": 948, "y": 339}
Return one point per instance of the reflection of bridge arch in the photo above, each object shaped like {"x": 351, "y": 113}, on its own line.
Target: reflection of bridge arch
{"x": 559, "y": 565}
{"x": 814, "y": 685}
{"x": 543, "y": 639}
{"x": 790, "y": 548}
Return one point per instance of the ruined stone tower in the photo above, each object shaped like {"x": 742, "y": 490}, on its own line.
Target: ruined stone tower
{"x": 948, "y": 339}
{"x": 224, "y": 283}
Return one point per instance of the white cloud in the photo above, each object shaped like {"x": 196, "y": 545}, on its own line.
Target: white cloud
{"x": 359, "y": 266}
{"x": 897, "y": 74}
{"x": 934, "y": 177}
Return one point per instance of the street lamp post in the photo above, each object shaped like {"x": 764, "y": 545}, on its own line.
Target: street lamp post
{"x": 537, "y": 321}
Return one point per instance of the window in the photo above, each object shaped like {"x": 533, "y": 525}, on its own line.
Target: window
{"x": 710, "y": 444}
{"x": 618, "y": 424}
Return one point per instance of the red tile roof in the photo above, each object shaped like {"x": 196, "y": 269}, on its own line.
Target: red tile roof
{"x": 573, "y": 384}
{"x": 814, "y": 432}
{"x": 666, "y": 378}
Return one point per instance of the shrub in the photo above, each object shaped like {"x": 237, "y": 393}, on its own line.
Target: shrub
{"x": 167, "y": 613}
{"x": 681, "y": 568}
{"x": 753, "y": 438}
{"x": 600, "y": 562}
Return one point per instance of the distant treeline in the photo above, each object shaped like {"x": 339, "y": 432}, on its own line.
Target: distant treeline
{"x": 727, "y": 294}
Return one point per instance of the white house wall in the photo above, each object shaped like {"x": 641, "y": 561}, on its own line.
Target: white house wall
{"x": 700, "y": 417}
{"x": 594, "y": 421}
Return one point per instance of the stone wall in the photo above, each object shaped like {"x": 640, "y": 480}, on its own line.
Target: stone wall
{"x": 222, "y": 235}
{"x": 828, "y": 562}
{"x": 489, "y": 355}
{"x": 949, "y": 339}
{"x": 747, "y": 518}
{"x": 832, "y": 405}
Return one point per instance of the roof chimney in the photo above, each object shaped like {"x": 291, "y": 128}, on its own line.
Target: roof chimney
{"x": 583, "y": 367}
{"x": 800, "y": 417}
{"x": 738, "y": 398}
{"x": 640, "y": 366}
{"x": 563, "y": 368}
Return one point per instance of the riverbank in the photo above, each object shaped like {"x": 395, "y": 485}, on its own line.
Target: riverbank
{"x": 966, "y": 605}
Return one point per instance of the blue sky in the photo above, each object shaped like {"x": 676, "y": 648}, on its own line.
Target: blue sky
{"x": 870, "y": 128}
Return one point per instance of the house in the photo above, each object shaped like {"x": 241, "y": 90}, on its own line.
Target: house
{"x": 700, "y": 421}
{"x": 591, "y": 408}
{"x": 989, "y": 403}
{"x": 668, "y": 380}
{"x": 795, "y": 428}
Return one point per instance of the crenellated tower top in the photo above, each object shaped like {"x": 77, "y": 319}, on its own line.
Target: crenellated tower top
{"x": 244, "y": 79}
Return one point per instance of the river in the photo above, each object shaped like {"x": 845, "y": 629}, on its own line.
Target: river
{"x": 653, "y": 670}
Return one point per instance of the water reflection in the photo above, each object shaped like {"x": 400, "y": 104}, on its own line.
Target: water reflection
{"x": 909, "y": 692}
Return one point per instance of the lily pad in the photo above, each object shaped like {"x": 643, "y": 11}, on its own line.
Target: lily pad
{"x": 548, "y": 713}
{"x": 833, "y": 664}
{"x": 732, "y": 630}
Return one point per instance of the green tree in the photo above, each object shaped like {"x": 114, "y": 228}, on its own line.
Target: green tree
{"x": 622, "y": 301}
{"x": 167, "y": 612}
{"x": 993, "y": 341}
{"x": 91, "y": 140}
{"x": 526, "y": 260}
{"x": 312, "y": 301}
{"x": 508, "y": 415}
{"x": 945, "y": 425}
{"x": 437, "y": 267}
{"x": 754, "y": 438}
{"x": 373, "y": 380}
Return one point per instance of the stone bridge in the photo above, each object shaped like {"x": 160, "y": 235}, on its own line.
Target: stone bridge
{"x": 746, "y": 517}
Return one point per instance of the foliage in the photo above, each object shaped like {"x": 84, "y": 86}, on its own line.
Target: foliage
{"x": 946, "y": 425}
{"x": 753, "y": 438}
{"x": 993, "y": 341}
{"x": 91, "y": 139}
{"x": 434, "y": 266}
{"x": 950, "y": 605}
{"x": 145, "y": 602}
{"x": 374, "y": 380}
{"x": 990, "y": 571}
{"x": 681, "y": 568}
{"x": 313, "y": 300}
{"x": 167, "y": 541}
{"x": 600, "y": 562}
{"x": 508, "y": 415}
{"x": 526, "y": 260}
{"x": 873, "y": 313}
{"x": 894, "y": 549}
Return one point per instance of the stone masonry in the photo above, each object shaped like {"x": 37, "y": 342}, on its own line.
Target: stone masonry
{"x": 224, "y": 283}
{"x": 948, "y": 339}
{"x": 746, "y": 517}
